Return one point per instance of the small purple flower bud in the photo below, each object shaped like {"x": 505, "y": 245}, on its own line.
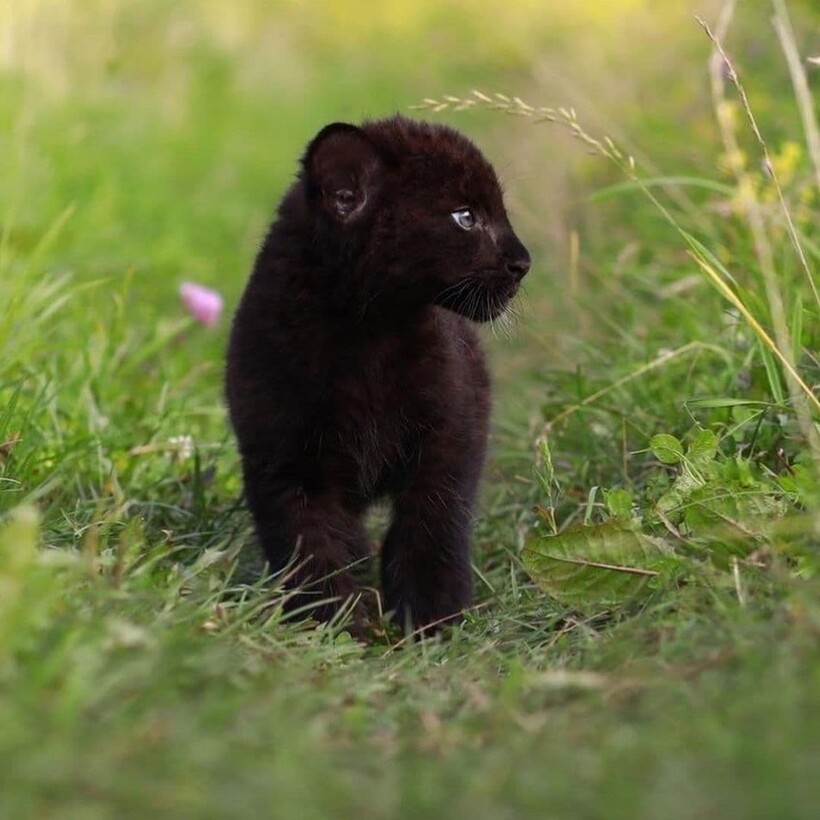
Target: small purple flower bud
{"x": 204, "y": 304}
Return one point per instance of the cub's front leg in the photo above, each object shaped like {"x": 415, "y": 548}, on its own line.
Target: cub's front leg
{"x": 312, "y": 534}
{"x": 426, "y": 571}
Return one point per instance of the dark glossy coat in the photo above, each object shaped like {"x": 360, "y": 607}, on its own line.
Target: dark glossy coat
{"x": 354, "y": 371}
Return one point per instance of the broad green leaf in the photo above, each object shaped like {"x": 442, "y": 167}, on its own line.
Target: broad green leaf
{"x": 744, "y": 515}
{"x": 619, "y": 503}
{"x": 666, "y": 448}
{"x": 603, "y": 566}
{"x": 683, "y": 487}
{"x": 702, "y": 449}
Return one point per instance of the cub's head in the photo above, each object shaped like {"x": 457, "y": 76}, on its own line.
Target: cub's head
{"x": 414, "y": 213}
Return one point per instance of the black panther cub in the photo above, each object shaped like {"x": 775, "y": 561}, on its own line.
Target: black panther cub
{"x": 354, "y": 371}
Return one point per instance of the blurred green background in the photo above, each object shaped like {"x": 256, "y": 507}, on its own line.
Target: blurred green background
{"x": 171, "y": 128}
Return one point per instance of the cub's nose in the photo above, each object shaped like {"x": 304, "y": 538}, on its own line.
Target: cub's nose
{"x": 519, "y": 265}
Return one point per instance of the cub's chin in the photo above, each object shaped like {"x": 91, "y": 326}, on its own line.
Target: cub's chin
{"x": 478, "y": 302}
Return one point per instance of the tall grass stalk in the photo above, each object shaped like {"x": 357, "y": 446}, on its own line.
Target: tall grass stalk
{"x": 805, "y": 402}
{"x": 721, "y": 66}
{"x": 805, "y": 104}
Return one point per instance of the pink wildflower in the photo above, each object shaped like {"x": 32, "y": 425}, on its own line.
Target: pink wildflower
{"x": 204, "y": 304}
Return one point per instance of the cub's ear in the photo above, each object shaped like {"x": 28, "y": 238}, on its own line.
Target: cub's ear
{"x": 343, "y": 171}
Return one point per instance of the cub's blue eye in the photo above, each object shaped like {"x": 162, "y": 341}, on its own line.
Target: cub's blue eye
{"x": 464, "y": 218}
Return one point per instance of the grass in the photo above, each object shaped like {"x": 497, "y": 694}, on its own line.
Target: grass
{"x": 646, "y": 637}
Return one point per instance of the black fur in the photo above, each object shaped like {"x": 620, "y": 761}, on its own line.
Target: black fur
{"x": 354, "y": 371}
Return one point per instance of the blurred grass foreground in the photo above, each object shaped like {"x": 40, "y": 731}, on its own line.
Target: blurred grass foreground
{"x": 645, "y": 641}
